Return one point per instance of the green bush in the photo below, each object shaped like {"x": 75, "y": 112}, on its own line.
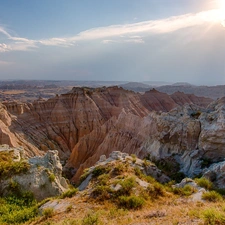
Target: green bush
{"x": 90, "y": 219}
{"x": 48, "y": 213}
{"x": 99, "y": 170}
{"x": 119, "y": 168}
{"x": 69, "y": 193}
{"x": 102, "y": 192}
{"x": 156, "y": 190}
{"x": 212, "y": 196}
{"x": 8, "y": 167}
{"x": 127, "y": 186}
{"x": 185, "y": 191}
{"x": 103, "y": 179}
{"x": 213, "y": 217}
{"x": 18, "y": 207}
{"x": 205, "y": 183}
{"x": 18, "y": 215}
{"x": 131, "y": 202}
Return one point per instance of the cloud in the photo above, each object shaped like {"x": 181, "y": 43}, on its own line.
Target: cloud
{"x": 125, "y": 33}
{"x": 3, "y": 31}
{"x": 5, "y": 48}
{"x": 122, "y": 39}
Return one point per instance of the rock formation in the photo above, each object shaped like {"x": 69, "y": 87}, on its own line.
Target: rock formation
{"x": 43, "y": 178}
{"x": 86, "y": 123}
{"x": 146, "y": 167}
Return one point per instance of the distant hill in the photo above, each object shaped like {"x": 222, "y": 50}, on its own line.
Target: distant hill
{"x": 136, "y": 86}
{"x": 182, "y": 84}
{"x": 213, "y": 92}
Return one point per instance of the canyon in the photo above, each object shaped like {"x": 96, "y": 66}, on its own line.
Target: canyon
{"x": 85, "y": 123}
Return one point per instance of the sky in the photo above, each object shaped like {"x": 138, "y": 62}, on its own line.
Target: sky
{"x": 119, "y": 40}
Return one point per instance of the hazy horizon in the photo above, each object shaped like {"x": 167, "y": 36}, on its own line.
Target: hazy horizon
{"x": 122, "y": 40}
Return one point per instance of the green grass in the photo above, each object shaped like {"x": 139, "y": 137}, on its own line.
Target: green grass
{"x": 127, "y": 185}
{"x": 212, "y": 196}
{"x": 91, "y": 219}
{"x": 8, "y": 167}
{"x": 69, "y": 193}
{"x": 156, "y": 190}
{"x": 99, "y": 170}
{"x": 131, "y": 202}
{"x": 19, "y": 208}
{"x": 48, "y": 213}
{"x": 102, "y": 192}
{"x": 205, "y": 183}
{"x": 185, "y": 191}
{"x": 213, "y": 217}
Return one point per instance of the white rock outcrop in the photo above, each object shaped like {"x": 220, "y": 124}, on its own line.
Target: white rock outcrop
{"x": 44, "y": 177}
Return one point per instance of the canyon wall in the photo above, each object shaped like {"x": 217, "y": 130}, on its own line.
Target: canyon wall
{"x": 86, "y": 123}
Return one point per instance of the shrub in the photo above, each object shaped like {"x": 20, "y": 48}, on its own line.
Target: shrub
{"x": 212, "y": 196}
{"x": 19, "y": 215}
{"x": 119, "y": 168}
{"x": 127, "y": 186}
{"x": 8, "y": 167}
{"x": 205, "y": 183}
{"x": 90, "y": 219}
{"x": 155, "y": 190}
{"x": 18, "y": 208}
{"x": 99, "y": 170}
{"x": 102, "y": 192}
{"x": 185, "y": 191}
{"x": 213, "y": 217}
{"x": 131, "y": 202}
{"x": 103, "y": 179}
{"x": 69, "y": 193}
{"x": 48, "y": 212}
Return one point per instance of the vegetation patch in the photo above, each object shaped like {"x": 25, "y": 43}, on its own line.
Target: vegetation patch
{"x": 187, "y": 190}
{"x": 205, "y": 183}
{"x": 131, "y": 202}
{"x": 8, "y": 167}
{"x": 91, "y": 219}
{"x": 48, "y": 213}
{"x": 213, "y": 216}
{"x": 156, "y": 190}
{"x": 127, "y": 185}
{"x": 99, "y": 170}
{"x": 69, "y": 193}
{"x": 102, "y": 192}
{"x": 212, "y": 196}
{"x": 17, "y": 207}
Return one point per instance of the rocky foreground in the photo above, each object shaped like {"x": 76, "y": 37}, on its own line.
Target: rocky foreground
{"x": 121, "y": 189}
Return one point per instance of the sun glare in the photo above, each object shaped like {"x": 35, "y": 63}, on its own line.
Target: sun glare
{"x": 222, "y": 11}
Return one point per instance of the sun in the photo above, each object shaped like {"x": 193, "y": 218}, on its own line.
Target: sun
{"x": 222, "y": 11}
